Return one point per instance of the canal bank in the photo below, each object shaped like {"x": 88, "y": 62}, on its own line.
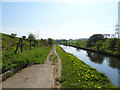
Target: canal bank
{"x": 77, "y": 74}
{"x": 108, "y": 65}
{"x": 93, "y": 50}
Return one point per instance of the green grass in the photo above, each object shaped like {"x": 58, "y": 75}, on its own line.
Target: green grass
{"x": 27, "y": 57}
{"x": 77, "y": 74}
{"x": 8, "y": 41}
{"x": 10, "y": 60}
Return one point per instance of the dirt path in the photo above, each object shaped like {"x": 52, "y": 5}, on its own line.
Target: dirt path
{"x": 57, "y": 70}
{"x": 37, "y": 76}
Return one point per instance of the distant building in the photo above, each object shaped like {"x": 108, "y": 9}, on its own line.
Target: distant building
{"x": 106, "y": 35}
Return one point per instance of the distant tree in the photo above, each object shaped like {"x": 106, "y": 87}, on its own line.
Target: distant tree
{"x": 13, "y": 35}
{"x": 66, "y": 42}
{"x": 112, "y": 43}
{"x": 50, "y": 41}
{"x": 118, "y": 46}
{"x": 31, "y": 37}
{"x": 96, "y": 37}
{"x": 45, "y": 42}
{"x": 35, "y": 43}
{"x": 24, "y": 37}
{"x": 98, "y": 45}
{"x": 93, "y": 39}
{"x": 41, "y": 42}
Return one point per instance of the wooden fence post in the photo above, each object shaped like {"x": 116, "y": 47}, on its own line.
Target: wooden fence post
{"x": 30, "y": 44}
{"x": 21, "y": 46}
{"x": 17, "y": 46}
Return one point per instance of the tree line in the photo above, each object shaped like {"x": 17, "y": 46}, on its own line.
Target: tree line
{"x": 96, "y": 42}
{"x": 32, "y": 42}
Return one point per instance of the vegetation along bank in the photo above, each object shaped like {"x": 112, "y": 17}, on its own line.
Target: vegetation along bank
{"x": 77, "y": 74}
{"x": 33, "y": 51}
{"x": 97, "y": 43}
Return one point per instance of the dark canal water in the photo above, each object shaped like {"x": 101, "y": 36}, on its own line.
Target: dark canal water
{"x": 108, "y": 65}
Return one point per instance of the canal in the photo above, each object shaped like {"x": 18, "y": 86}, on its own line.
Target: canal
{"x": 108, "y": 65}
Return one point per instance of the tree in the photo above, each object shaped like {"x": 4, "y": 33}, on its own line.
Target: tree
{"x": 93, "y": 39}
{"x": 111, "y": 44}
{"x": 31, "y": 37}
{"x": 13, "y": 35}
{"x": 99, "y": 45}
{"x": 24, "y": 37}
{"x": 50, "y": 41}
{"x": 118, "y": 46}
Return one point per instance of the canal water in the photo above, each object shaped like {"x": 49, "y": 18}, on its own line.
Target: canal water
{"x": 108, "y": 65}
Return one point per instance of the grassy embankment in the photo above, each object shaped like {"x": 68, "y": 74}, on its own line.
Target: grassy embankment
{"x": 77, "y": 74}
{"x": 109, "y": 46}
{"x": 27, "y": 57}
{"x": 77, "y": 43}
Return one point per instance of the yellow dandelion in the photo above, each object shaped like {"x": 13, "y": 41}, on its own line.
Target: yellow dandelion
{"x": 98, "y": 87}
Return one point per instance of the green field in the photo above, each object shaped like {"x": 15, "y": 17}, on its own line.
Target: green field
{"x": 77, "y": 74}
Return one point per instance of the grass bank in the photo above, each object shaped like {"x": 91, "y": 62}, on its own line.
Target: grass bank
{"x": 21, "y": 60}
{"x": 27, "y": 57}
{"x": 77, "y": 74}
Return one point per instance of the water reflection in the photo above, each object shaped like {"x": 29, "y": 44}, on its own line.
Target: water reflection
{"x": 99, "y": 58}
{"x": 114, "y": 62}
{"x": 78, "y": 50}
{"x": 95, "y": 57}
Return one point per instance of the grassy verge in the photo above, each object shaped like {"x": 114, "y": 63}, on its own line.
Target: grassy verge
{"x": 21, "y": 60}
{"x": 53, "y": 59}
{"x": 77, "y": 74}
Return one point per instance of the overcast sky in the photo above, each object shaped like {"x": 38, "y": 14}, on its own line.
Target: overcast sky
{"x": 59, "y": 19}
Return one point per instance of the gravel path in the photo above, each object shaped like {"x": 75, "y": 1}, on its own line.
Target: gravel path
{"x": 36, "y": 76}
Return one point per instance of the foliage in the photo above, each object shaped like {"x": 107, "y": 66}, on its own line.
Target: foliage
{"x": 75, "y": 43}
{"x": 77, "y": 74}
{"x": 8, "y": 41}
{"x": 31, "y": 37}
{"x": 47, "y": 42}
{"x": 93, "y": 39}
{"x": 111, "y": 43}
{"x": 50, "y": 41}
{"x": 44, "y": 42}
{"x": 98, "y": 44}
{"x": 24, "y": 37}
{"x": 13, "y": 35}
{"x": 118, "y": 46}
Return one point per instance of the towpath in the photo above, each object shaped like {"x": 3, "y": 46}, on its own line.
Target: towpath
{"x": 37, "y": 76}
